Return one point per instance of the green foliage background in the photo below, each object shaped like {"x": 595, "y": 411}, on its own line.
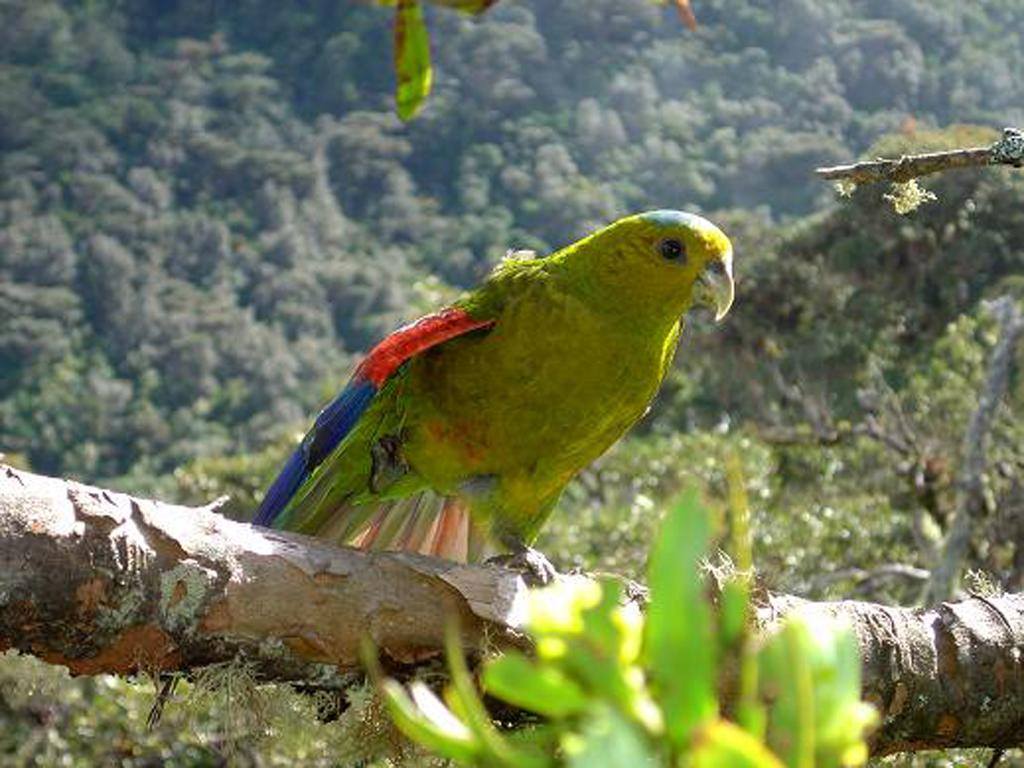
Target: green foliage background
{"x": 207, "y": 210}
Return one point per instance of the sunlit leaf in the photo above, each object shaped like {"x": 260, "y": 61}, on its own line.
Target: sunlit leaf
{"x": 558, "y": 608}
{"x": 787, "y": 682}
{"x": 466, "y": 702}
{"x": 539, "y": 688}
{"x": 679, "y": 642}
{"x": 733, "y": 610}
{"x": 840, "y": 717}
{"x": 413, "y": 72}
{"x": 437, "y": 729}
{"x": 436, "y": 712}
{"x": 607, "y": 740}
{"x": 734, "y": 603}
{"x": 453, "y": 742}
{"x": 722, "y": 744}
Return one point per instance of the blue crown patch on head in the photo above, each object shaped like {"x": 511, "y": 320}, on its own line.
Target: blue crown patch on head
{"x": 669, "y": 218}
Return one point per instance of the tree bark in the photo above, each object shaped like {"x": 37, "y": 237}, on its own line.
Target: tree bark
{"x": 102, "y": 582}
{"x": 943, "y": 677}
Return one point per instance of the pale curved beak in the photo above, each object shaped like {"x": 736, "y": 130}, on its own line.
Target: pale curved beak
{"x": 715, "y": 288}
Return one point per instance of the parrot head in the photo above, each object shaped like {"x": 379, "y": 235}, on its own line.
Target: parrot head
{"x": 661, "y": 264}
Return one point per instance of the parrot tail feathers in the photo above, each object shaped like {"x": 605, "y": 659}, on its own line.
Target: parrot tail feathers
{"x": 427, "y": 523}
{"x": 449, "y": 535}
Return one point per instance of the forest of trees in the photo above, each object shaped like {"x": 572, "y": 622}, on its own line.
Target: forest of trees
{"x": 208, "y": 210}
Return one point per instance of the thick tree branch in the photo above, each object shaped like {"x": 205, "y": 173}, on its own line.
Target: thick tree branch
{"x": 950, "y": 676}
{"x": 103, "y": 582}
{"x": 1009, "y": 150}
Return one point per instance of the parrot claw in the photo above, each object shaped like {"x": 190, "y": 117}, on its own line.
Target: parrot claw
{"x": 535, "y": 568}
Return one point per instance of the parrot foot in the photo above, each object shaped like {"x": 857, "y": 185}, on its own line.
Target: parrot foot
{"x": 536, "y": 569}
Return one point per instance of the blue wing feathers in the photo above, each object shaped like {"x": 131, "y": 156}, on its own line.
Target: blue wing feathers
{"x": 284, "y": 487}
{"x": 337, "y": 419}
{"x": 332, "y": 425}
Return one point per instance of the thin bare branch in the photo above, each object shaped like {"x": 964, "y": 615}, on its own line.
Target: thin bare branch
{"x": 815, "y": 410}
{"x": 865, "y": 577}
{"x": 1008, "y": 150}
{"x": 972, "y": 506}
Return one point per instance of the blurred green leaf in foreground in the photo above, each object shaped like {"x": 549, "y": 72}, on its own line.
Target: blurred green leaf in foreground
{"x": 413, "y": 72}
{"x": 615, "y": 687}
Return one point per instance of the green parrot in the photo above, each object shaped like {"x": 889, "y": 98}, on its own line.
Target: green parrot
{"x": 456, "y": 435}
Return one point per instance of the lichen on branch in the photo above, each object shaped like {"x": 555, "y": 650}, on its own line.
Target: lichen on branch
{"x": 1008, "y": 150}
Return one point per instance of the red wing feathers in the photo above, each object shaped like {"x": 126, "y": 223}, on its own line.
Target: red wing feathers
{"x": 410, "y": 340}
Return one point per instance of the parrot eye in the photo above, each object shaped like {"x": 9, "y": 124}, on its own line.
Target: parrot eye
{"x": 672, "y": 250}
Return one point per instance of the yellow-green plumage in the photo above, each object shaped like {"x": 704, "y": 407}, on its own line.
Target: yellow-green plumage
{"x": 501, "y": 419}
